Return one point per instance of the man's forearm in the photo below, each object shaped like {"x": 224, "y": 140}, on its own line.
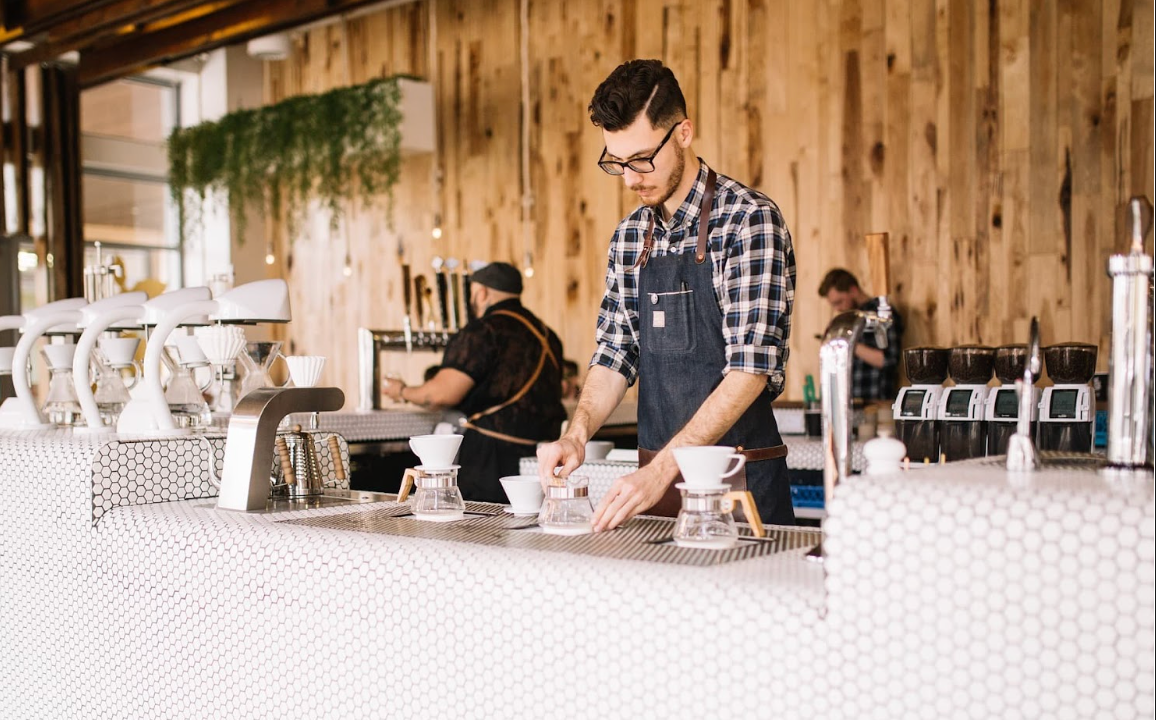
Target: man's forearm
{"x": 602, "y": 392}
{"x": 721, "y": 410}
{"x": 872, "y": 356}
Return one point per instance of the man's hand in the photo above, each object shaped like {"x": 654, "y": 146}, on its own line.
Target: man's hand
{"x": 566, "y": 454}
{"x": 635, "y": 493}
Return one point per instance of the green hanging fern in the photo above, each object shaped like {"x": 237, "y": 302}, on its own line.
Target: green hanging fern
{"x": 336, "y": 147}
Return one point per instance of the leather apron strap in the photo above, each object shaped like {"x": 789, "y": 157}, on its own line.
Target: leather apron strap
{"x": 546, "y": 353}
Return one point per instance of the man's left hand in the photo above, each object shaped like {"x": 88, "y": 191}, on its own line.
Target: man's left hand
{"x": 632, "y": 494}
{"x": 392, "y": 388}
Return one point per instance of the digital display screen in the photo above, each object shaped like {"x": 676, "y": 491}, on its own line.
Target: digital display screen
{"x": 912, "y": 403}
{"x": 958, "y": 402}
{"x": 1006, "y": 404}
{"x": 1064, "y": 403}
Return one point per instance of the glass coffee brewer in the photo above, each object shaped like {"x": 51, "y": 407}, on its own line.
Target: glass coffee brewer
{"x": 916, "y": 408}
{"x": 962, "y": 429}
{"x": 434, "y": 482}
{"x": 566, "y": 509}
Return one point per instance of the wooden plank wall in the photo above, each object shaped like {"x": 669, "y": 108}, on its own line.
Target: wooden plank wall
{"x": 996, "y": 141}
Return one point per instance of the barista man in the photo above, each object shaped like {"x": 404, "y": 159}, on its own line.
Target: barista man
{"x": 697, "y": 312}
{"x": 504, "y": 372}
{"x": 873, "y": 369}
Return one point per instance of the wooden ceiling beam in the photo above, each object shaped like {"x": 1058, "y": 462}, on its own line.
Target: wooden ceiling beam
{"x": 149, "y": 46}
{"x": 103, "y": 24}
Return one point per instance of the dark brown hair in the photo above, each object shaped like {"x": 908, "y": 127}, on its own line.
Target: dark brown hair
{"x": 839, "y": 279}
{"x": 632, "y": 87}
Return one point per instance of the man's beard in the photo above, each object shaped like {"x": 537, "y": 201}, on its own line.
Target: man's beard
{"x": 672, "y": 183}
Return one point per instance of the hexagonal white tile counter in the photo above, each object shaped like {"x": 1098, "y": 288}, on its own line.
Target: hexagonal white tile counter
{"x": 953, "y": 594}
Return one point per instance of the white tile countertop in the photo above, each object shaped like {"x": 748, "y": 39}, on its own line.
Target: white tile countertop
{"x": 964, "y": 594}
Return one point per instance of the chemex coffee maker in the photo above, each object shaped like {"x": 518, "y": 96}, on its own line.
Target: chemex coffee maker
{"x": 916, "y": 408}
{"x": 436, "y": 496}
{"x": 962, "y": 429}
{"x": 1002, "y": 408}
{"x": 1066, "y": 409}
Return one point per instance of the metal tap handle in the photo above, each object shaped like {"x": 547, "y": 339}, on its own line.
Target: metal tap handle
{"x": 1140, "y": 210}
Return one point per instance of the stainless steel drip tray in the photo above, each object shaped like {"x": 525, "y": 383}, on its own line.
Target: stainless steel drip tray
{"x": 643, "y": 538}
{"x": 328, "y": 498}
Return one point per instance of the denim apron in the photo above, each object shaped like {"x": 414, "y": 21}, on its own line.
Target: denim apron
{"x": 681, "y": 359}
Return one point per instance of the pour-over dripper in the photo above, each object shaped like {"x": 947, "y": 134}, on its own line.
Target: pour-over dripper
{"x": 221, "y": 345}
{"x": 61, "y": 406}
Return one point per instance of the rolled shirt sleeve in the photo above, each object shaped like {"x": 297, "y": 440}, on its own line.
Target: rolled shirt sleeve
{"x": 617, "y": 343}
{"x": 757, "y": 294}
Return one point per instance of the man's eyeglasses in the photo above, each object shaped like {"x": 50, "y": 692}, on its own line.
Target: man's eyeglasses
{"x": 638, "y": 165}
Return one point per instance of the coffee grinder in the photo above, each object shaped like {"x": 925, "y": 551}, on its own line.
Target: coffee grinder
{"x": 1001, "y": 411}
{"x": 962, "y": 429}
{"x": 916, "y": 408}
{"x": 1066, "y": 409}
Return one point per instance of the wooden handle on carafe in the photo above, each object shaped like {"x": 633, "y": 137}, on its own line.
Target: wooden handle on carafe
{"x": 877, "y": 263}
{"x": 338, "y": 463}
{"x": 744, "y": 498}
{"x": 406, "y": 484}
{"x": 286, "y": 462}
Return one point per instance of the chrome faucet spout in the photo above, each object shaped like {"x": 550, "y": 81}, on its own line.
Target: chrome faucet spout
{"x": 252, "y": 433}
{"x": 835, "y": 359}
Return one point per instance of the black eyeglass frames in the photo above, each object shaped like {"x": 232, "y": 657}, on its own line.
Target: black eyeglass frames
{"x": 638, "y": 165}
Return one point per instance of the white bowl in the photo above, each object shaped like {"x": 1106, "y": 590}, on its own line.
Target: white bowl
{"x": 525, "y": 493}
{"x": 598, "y": 449}
{"x": 436, "y": 451}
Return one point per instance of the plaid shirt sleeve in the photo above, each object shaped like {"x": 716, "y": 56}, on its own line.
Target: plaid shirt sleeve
{"x": 616, "y": 339}
{"x": 757, "y": 294}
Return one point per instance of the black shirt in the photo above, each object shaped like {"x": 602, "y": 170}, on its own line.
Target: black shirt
{"x": 499, "y": 353}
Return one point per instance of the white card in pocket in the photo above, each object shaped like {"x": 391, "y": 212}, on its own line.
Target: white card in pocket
{"x": 658, "y": 319}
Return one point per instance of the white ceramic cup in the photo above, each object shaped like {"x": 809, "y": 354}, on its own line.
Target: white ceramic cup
{"x": 707, "y": 466}
{"x": 305, "y": 370}
{"x": 436, "y": 452}
{"x": 598, "y": 449}
{"x": 6, "y": 355}
{"x": 525, "y": 493}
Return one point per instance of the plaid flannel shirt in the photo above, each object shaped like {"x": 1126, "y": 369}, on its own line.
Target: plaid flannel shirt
{"x": 872, "y": 383}
{"x": 754, "y": 278}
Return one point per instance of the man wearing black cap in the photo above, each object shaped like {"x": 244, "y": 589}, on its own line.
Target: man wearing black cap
{"x": 504, "y": 372}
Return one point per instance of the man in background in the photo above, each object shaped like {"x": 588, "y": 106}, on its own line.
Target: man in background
{"x": 874, "y": 371}
{"x": 503, "y": 371}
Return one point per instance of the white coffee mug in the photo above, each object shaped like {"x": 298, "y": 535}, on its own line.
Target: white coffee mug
{"x": 525, "y": 493}
{"x": 708, "y": 466}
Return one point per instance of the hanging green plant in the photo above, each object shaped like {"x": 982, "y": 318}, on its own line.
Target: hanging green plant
{"x": 336, "y": 147}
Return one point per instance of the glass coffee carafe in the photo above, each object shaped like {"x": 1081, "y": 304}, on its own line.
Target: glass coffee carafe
{"x": 436, "y": 496}
{"x": 706, "y": 519}
{"x": 61, "y": 406}
{"x": 566, "y": 510}
{"x": 257, "y": 359}
{"x": 184, "y": 396}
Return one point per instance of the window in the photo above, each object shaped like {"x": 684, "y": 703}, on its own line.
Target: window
{"x": 127, "y": 207}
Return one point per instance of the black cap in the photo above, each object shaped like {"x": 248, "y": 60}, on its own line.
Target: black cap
{"x": 499, "y": 276}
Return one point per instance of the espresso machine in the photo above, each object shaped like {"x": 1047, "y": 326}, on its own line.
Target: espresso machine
{"x": 916, "y": 408}
{"x": 1001, "y": 411}
{"x": 962, "y": 429}
{"x": 1067, "y": 413}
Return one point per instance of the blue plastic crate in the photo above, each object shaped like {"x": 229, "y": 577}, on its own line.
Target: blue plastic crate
{"x": 807, "y": 496}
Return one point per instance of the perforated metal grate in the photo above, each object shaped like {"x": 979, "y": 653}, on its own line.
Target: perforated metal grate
{"x": 645, "y": 539}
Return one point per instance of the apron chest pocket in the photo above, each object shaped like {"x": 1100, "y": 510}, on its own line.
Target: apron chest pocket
{"x": 669, "y": 322}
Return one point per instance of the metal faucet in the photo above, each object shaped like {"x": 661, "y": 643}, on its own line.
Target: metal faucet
{"x": 252, "y": 433}
{"x": 1021, "y": 451}
{"x": 1130, "y": 368}
{"x": 835, "y": 356}
{"x": 370, "y": 343}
